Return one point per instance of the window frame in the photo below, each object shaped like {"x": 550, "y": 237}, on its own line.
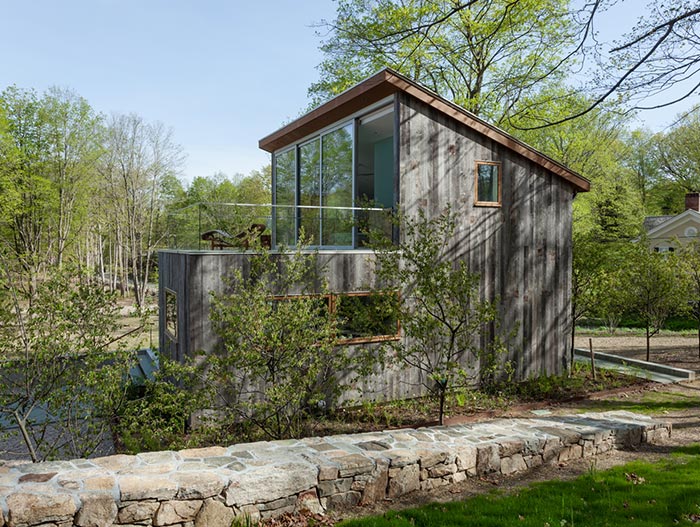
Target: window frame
{"x": 499, "y": 167}
{"x": 171, "y": 315}
{"x": 373, "y": 111}
{"x": 373, "y": 338}
{"x": 332, "y": 299}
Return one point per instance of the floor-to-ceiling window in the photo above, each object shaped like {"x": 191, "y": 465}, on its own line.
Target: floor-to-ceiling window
{"x": 285, "y": 197}
{"x": 327, "y": 176}
{"x": 336, "y": 184}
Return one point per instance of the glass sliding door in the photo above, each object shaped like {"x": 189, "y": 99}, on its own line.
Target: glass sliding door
{"x": 309, "y": 191}
{"x": 336, "y": 186}
{"x": 285, "y": 198}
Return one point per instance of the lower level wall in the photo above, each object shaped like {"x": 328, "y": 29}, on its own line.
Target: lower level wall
{"x": 211, "y": 486}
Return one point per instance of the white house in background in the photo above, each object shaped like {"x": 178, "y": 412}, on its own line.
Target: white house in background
{"x": 665, "y": 232}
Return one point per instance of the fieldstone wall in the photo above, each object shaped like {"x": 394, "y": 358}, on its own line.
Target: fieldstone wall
{"x": 211, "y": 486}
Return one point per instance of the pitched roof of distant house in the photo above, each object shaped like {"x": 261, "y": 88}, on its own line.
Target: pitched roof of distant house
{"x": 666, "y": 224}
{"x": 388, "y": 82}
{"x": 651, "y": 222}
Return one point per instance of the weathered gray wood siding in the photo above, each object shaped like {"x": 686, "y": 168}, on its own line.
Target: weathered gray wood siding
{"x": 522, "y": 250}
{"x": 194, "y": 275}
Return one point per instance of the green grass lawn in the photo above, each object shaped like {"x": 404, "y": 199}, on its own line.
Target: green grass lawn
{"x": 644, "y": 494}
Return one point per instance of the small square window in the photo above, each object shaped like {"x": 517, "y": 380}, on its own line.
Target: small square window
{"x": 487, "y": 184}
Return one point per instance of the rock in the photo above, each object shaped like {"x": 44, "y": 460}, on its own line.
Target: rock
{"x": 354, "y": 464}
{"x": 136, "y": 488}
{"x": 100, "y": 483}
{"x": 375, "y": 487}
{"x": 327, "y": 488}
{"x": 487, "y": 459}
{"x": 2, "y": 518}
{"x": 171, "y": 512}
{"x": 439, "y": 471}
{"x": 327, "y": 472}
{"x": 98, "y": 510}
{"x": 466, "y": 458}
{"x": 139, "y": 511}
{"x": 32, "y": 509}
{"x": 116, "y": 462}
{"x": 198, "y": 485}
{"x": 308, "y": 501}
{"x": 571, "y": 452}
{"x": 343, "y": 501}
{"x": 36, "y": 478}
{"x": 403, "y": 480}
{"x": 508, "y": 447}
{"x": 212, "y": 451}
{"x": 513, "y": 464}
{"x": 269, "y": 483}
{"x": 429, "y": 458}
{"x": 214, "y": 514}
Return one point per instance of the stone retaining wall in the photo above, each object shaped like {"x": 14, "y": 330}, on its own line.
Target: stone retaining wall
{"x": 210, "y": 486}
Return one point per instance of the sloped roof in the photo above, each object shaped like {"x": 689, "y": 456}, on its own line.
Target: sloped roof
{"x": 662, "y": 229}
{"x": 651, "y": 222}
{"x": 388, "y": 82}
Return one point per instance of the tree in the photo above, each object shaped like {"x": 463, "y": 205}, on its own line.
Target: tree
{"x": 658, "y": 56}
{"x": 653, "y": 288}
{"x": 73, "y": 147}
{"x": 139, "y": 158}
{"x": 61, "y": 383}
{"x": 642, "y": 160}
{"x": 690, "y": 262}
{"x": 278, "y": 363}
{"x": 443, "y": 316}
{"x": 679, "y": 152}
{"x": 486, "y": 55}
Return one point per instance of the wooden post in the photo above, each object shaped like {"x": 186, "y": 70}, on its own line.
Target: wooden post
{"x": 590, "y": 346}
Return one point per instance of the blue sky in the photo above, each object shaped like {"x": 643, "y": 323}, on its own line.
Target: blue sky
{"x": 221, "y": 73}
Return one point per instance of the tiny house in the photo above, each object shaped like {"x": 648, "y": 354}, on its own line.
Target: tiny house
{"x": 389, "y": 143}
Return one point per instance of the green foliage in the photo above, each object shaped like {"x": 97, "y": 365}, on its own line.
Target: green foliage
{"x": 443, "y": 316}
{"x": 156, "y": 414}
{"x": 278, "y": 363}
{"x": 486, "y": 56}
{"x": 689, "y": 259}
{"x": 652, "y": 287}
{"x": 61, "y": 384}
{"x": 680, "y": 151}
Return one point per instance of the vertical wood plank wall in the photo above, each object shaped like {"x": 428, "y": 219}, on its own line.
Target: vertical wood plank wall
{"x": 522, "y": 250}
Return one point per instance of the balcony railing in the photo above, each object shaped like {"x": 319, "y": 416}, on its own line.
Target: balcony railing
{"x": 240, "y": 226}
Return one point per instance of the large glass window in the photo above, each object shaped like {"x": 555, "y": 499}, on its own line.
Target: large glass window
{"x": 285, "y": 187}
{"x": 328, "y": 176}
{"x": 309, "y": 190}
{"x": 336, "y": 183}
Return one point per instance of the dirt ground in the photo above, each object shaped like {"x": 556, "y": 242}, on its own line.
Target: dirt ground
{"x": 678, "y": 351}
{"x": 681, "y": 352}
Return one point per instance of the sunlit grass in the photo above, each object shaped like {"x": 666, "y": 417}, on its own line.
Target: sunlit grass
{"x": 639, "y": 493}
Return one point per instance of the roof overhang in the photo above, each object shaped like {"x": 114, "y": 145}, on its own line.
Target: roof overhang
{"x": 388, "y": 82}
